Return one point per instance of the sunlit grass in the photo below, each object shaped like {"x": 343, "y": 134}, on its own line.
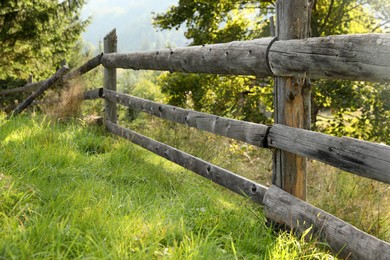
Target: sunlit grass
{"x": 361, "y": 202}
{"x": 74, "y": 191}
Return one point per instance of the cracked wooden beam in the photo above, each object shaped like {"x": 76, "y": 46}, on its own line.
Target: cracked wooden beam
{"x": 364, "y": 57}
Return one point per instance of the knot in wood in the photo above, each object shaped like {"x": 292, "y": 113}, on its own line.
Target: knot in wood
{"x": 253, "y": 188}
{"x": 290, "y": 95}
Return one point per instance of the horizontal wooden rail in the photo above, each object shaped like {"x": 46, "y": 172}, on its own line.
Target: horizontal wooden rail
{"x": 87, "y": 66}
{"x": 363, "y": 57}
{"x": 30, "y": 87}
{"x": 362, "y": 158}
{"x": 239, "y": 130}
{"x": 279, "y": 206}
{"x": 366, "y": 159}
{"x": 233, "y": 58}
{"x": 225, "y": 178}
{"x": 345, "y": 240}
{"x": 93, "y": 94}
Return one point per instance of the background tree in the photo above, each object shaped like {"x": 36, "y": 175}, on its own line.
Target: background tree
{"x": 357, "y": 109}
{"x": 35, "y": 35}
{"x": 354, "y": 108}
{"x": 218, "y": 21}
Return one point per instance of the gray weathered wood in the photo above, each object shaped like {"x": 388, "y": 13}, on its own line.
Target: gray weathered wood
{"x": 292, "y": 99}
{"x": 225, "y": 178}
{"x": 233, "y": 58}
{"x": 29, "y": 87}
{"x": 363, "y": 158}
{"x": 110, "y": 46}
{"x": 353, "y": 57}
{"x": 359, "y": 157}
{"x": 93, "y": 94}
{"x": 87, "y": 66}
{"x": 363, "y": 57}
{"x": 343, "y": 238}
{"x": 47, "y": 84}
{"x": 239, "y": 130}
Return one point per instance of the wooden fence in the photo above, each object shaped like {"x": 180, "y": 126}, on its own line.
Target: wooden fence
{"x": 354, "y": 57}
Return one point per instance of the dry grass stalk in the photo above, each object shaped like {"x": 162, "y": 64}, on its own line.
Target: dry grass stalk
{"x": 67, "y": 103}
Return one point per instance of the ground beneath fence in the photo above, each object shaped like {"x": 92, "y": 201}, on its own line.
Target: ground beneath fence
{"x": 72, "y": 190}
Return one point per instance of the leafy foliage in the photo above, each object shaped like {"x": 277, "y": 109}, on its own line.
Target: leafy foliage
{"x": 213, "y": 22}
{"x": 230, "y": 96}
{"x": 364, "y": 114}
{"x": 36, "y": 35}
{"x": 356, "y": 114}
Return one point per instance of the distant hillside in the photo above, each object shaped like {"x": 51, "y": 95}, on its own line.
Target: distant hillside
{"x": 133, "y": 21}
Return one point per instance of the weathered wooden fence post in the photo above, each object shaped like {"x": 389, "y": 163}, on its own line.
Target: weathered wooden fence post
{"x": 110, "y": 45}
{"x": 292, "y": 98}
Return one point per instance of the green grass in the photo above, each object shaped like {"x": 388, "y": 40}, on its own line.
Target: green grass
{"x": 359, "y": 201}
{"x": 68, "y": 190}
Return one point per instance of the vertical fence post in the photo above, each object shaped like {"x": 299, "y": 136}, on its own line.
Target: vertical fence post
{"x": 110, "y": 108}
{"x": 292, "y": 98}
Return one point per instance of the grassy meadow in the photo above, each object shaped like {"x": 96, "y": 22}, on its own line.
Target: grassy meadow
{"x": 69, "y": 190}
{"x": 360, "y": 201}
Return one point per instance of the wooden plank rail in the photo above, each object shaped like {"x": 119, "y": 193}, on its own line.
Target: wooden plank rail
{"x": 363, "y": 57}
{"x": 93, "y": 94}
{"x": 239, "y": 130}
{"x": 363, "y": 158}
{"x": 87, "y": 66}
{"x": 344, "y": 239}
{"x": 233, "y": 58}
{"x": 29, "y": 87}
{"x": 225, "y": 178}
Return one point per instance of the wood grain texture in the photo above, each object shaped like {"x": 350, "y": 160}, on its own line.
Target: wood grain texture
{"x": 343, "y": 238}
{"x": 29, "y": 87}
{"x": 354, "y": 57}
{"x": 363, "y": 158}
{"x": 47, "y": 84}
{"x": 239, "y": 130}
{"x": 109, "y": 79}
{"x": 233, "y": 58}
{"x": 225, "y": 178}
{"x": 364, "y": 57}
{"x": 291, "y": 93}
